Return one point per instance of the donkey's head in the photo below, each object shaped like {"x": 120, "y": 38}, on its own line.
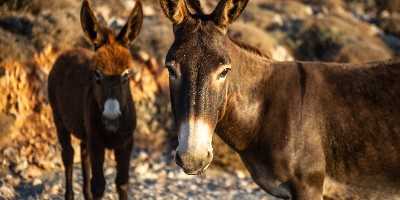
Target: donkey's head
{"x": 112, "y": 64}
{"x": 199, "y": 67}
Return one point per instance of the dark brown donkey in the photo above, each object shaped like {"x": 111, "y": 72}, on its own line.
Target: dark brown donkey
{"x": 90, "y": 96}
{"x": 293, "y": 123}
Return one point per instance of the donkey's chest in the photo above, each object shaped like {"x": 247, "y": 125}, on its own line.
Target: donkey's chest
{"x": 270, "y": 177}
{"x": 117, "y": 140}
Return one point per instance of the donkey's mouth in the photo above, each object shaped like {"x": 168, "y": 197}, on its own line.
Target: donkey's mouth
{"x": 111, "y": 125}
{"x": 196, "y": 172}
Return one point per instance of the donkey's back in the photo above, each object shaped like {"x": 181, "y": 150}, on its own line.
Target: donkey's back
{"x": 355, "y": 109}
{"x": 68, "y": 80}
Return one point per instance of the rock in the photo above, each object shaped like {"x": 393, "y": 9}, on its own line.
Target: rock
{"x": 18, "y": 25}
{"x": 240, "y": 174}
{"x": 55, "y": 189}
{"x": 7, "y": 193}
{"x": 141, "y": 169}
{"x": 7, "y": 123}
{"x": 21, "y": 166}
{"x": 32, "y": 172}
{"x": 109, "y": 171}
{"x": 36, "y": 182}
{"x": 340, "y": 39}
{"x": 47, "y": 164}
{"x": 11, "y": 154}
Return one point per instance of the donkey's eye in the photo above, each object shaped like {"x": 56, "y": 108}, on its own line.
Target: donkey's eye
{"x": 126, "y": 75}
{"x": 171, "y": 70}
{"x": 98, "y": 77}
{"x": 224, "y": 73}
{"x": 125, "y": 78}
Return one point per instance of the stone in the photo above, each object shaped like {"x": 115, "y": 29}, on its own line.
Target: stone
{"x": 36, "y": 182}
{"x": 21, "y": 166}
{"x": 32, "y": 172}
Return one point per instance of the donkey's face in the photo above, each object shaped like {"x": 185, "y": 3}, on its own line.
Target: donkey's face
{"x": 199, "y": 67}
{"x": 112, "y": 64}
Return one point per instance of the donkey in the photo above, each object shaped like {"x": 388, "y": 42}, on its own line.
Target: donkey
{"x": 294, "y": 124}
{"x": 90, "y": 96}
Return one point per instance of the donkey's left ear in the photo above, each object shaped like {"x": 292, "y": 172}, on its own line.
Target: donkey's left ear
{"x": 132, "y": 27}
{"x": 227, "y": 11}
{"x": 90, "y": 26}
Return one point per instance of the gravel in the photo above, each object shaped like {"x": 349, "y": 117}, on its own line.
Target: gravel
{"x": 149, "y": 179}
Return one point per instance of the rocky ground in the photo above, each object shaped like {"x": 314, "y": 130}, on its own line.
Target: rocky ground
{"x": 34, "y": 32}
{"x": 150, "y": 179}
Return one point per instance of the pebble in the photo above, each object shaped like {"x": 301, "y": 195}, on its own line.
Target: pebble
{"x": 32, "y": 172}
{"x": 36, "y": 182}
{"x": 109, "y": 171}
{"x": 240, "y": 174}
{"x": 55, "y": 189}
{"x": 21, "y": 166}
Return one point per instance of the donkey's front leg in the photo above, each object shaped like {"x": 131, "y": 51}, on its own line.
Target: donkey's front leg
{"x": 309, "y": 187}
{"x": 98, "y": 181}
{"x": 67, "y": 153}
{"x": 86, "y": 171}
{"x": 122, "y": 157}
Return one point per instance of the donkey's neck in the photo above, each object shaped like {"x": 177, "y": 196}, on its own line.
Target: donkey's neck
{"x": 245, "y": 96}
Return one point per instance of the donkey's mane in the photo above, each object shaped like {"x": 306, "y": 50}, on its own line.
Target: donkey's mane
{"x": 250, "y": 48}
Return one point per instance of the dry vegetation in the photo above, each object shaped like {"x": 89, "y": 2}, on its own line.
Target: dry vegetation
{"x": 34, "y": 32}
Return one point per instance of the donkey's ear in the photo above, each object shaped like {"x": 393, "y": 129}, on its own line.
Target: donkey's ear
{"x": 195, "y": 6}
{"x": 227, "y": 11}
{"x": 90, "y": 25}
{"x": 175, "y": 10}
{"x": 132, "y": 27}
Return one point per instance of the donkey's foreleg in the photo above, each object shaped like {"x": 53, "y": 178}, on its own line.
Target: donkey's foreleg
{"x": 86, "y": 171}
{"x": 67, "y": 154}
{"x": 122, "y": 157}
{"x": 98, "y": 181}
{"x": 309, "y": 187}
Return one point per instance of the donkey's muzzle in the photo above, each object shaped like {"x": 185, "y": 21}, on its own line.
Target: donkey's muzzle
{"x": 111, "y": 110}
{"x": 193, "y": 164}
{"x": 111, "y": 114}
{"x": 111, "y": 125}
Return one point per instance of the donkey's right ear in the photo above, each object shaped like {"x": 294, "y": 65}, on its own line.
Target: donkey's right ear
{"x": 175, "y": 10}
{"x": 90, "y": 25}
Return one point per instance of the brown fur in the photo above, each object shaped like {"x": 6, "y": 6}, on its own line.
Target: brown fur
{"x": 112, "y": 60}
{"x": 251, "y": 49}
{"x": 79, "y": 85}
{"x": 293, "y": 123}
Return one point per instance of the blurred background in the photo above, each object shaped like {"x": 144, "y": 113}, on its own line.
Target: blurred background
{"x": 34, "y": 32}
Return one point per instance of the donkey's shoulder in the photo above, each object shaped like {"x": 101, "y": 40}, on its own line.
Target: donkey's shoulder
{"x": 72, "y": 67}
{"x": 75, "y": 56}
{"x": 78, "y": 60}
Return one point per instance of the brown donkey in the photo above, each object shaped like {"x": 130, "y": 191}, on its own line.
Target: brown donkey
{"x": 90, "y": 97}
{"x": 293, "y": 123}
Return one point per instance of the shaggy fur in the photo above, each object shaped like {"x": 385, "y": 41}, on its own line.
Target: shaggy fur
{"x": 79, "y": 84}
{"x": 293, "y": 123}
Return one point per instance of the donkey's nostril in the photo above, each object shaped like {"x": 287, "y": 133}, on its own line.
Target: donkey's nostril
{"x": 209, "y": 155}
